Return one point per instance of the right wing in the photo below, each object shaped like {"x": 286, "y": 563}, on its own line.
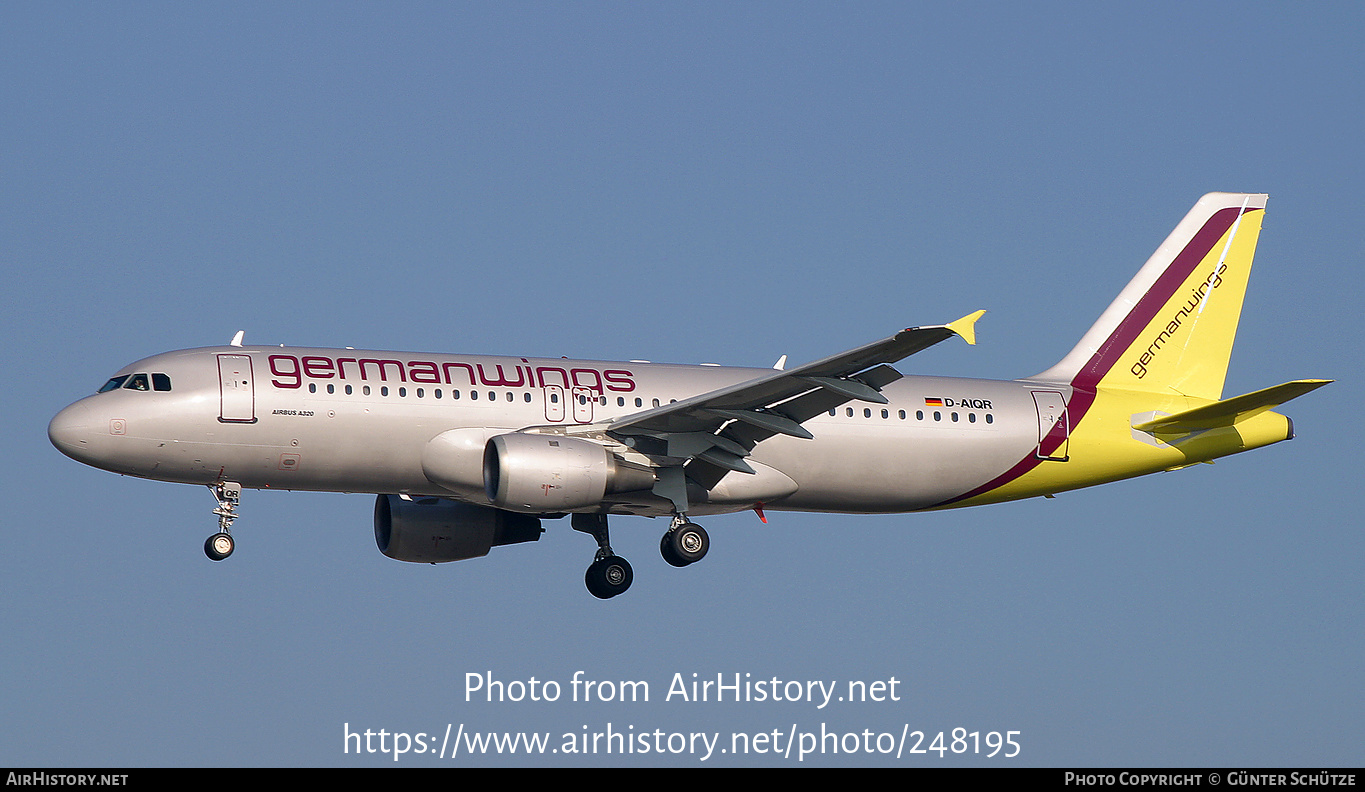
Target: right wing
{"x": 713, "y": 432}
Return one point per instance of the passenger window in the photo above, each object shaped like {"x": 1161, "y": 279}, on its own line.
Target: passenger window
{"x": 113, "y": 384}
{"x": 161, "y": 382}
{"x": 137, "y": 382}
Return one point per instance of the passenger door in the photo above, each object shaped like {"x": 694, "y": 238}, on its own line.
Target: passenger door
{"x": 236, "y": 389}
{"x": 1054, "y": 426}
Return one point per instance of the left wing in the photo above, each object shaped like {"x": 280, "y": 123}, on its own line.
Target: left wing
{"x": 713, "y": 432}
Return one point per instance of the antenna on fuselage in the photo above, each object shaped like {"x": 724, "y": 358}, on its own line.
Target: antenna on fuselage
{"x": 237, "y": 339}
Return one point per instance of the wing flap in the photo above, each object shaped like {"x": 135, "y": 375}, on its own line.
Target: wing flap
{"x": 713, "y": 432}
{"x": 769, "y": 421}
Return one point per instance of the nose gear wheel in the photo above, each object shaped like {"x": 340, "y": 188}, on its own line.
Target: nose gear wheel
{"x": 228, "y": 494}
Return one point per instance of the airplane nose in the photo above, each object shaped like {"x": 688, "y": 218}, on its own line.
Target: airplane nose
{"x": 70, "y": 431}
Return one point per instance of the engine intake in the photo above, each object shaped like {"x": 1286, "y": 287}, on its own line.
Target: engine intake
{"x": 433, "y": 530}
{"x": 551, "y": 473}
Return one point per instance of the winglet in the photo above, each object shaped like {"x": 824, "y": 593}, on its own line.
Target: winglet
{"x": 237, "y": 339}
{"x": 966, "y": 327}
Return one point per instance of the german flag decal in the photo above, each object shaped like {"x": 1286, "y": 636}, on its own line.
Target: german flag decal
{"x": 932, "y": 402}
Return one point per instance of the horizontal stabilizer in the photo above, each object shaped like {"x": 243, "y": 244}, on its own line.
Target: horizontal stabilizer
{"x": 1230, "y": 411}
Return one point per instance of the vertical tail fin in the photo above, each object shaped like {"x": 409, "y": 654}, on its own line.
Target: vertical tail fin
{"x": 1171, "y": 328}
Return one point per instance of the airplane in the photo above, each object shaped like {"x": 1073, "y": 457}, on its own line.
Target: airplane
{"x": 470, "y": 452}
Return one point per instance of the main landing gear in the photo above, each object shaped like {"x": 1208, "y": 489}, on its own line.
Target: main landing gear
{"x": 229, "y": 494}
{"x": 609, "y": 574}
{"x": 684, "y": 543}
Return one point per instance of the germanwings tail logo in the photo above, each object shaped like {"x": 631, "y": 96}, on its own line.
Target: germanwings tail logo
{"x": 1171, "y": 329}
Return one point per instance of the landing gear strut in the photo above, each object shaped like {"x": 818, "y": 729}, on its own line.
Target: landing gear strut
{"x": 684, "y": 543}
{"x": 229, "y": 494}
{"x": 609, "y": 574}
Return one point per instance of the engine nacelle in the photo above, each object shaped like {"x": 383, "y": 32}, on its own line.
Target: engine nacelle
{"x": 552, "y": 473}
{"x": 432, "y": 530}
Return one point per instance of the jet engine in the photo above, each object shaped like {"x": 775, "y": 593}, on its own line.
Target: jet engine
{"x": 432, "y": 530}
{"x": 552, "y": 473}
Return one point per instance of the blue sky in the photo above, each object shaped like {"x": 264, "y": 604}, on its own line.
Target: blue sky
{"x": 686, "y": 182}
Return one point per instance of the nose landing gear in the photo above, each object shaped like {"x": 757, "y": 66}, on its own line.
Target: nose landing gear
{"x": 229, "y": 494}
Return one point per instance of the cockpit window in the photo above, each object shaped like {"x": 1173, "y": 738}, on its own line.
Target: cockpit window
{"x": 113, "y": 384}
{"x": 139, "y": 382}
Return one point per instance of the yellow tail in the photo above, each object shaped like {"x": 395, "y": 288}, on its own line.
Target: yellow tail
{"x": 1146, "y": 381}
{"x": 1172, "y": 327}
